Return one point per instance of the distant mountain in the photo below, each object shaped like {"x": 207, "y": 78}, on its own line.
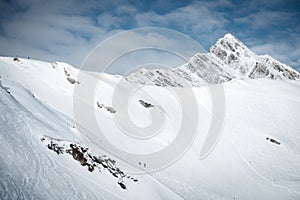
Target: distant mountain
{"x": 228, "y": 59}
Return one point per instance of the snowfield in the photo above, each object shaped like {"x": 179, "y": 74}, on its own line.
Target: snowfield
{"x": 256, "y": 157}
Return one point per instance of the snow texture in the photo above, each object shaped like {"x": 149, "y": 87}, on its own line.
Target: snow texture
{"x": 257, "y": 156}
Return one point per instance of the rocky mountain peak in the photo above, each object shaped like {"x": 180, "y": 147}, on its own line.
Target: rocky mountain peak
{"x": 228, "y": 59}
{"x": 235, "y": 54}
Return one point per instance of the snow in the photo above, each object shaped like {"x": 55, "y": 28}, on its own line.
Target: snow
{"x": 28, "y": 168}
{"x": 228, "y": 59}
{"x": 37, "y": 101}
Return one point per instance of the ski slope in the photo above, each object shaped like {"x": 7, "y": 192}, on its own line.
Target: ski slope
{"x": 256, "y": 157}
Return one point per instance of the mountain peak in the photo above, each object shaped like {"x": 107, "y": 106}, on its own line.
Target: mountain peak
{"x": 232, "y": 52}
{"x": 229, "y": 36}
{"x": 228, "y": 59}
{"x": 229, "y": 42}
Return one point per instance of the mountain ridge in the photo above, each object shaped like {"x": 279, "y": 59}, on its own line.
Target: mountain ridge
{"x": 228, "y": 59}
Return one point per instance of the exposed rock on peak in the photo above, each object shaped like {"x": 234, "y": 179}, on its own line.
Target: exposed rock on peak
{"x": 228, "y": 59}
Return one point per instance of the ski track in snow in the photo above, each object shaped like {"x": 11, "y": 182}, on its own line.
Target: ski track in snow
{"x": 263, "y": 177}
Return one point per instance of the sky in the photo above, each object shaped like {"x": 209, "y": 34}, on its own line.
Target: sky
{"x": 68, "y": 30}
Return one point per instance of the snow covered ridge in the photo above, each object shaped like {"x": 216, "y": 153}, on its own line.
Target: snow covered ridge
{"x": 228, "y": 59}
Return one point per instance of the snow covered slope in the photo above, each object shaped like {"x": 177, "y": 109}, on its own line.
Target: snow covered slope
{"x": 228, "y": 59}
{"x": 36, "y": 104}
{"x": 41, "y": 155}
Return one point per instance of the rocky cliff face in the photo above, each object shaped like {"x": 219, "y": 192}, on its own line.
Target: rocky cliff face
{"x": 228, "y": 59}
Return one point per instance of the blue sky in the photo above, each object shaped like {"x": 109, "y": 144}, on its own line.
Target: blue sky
{"x": 68, "y": 30}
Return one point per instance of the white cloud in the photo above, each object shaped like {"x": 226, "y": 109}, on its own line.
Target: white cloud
{"x": 109, "y": 22}
{"x": 201, "y": 20}
{"x": 142, "y": 46}
{"x": 197, "y": 18}
{"x": 68, "y": 30}
{"x": 62, "y": 31}
{"x": 51, "y": 31}
{"x": 266, "y": 19}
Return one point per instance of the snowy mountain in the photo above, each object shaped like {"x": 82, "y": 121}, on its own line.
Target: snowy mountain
{"x": 228, "y": 59}
{"x": 43, "y": 156}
